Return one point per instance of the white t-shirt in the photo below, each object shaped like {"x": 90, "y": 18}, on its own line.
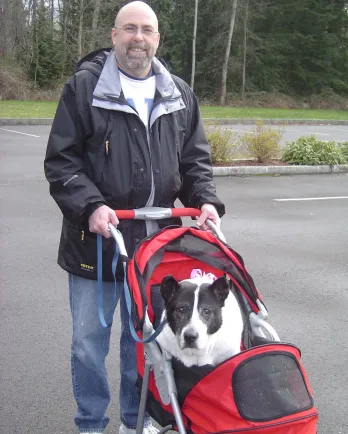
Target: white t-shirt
{"x": 140, "y": 94}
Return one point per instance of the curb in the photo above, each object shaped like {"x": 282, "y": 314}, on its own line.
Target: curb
{"x": 278, "y": 170}
{"x": 227, "y": 121}
{"x": 235, "y": 121}
{"x": 26, "y": 121}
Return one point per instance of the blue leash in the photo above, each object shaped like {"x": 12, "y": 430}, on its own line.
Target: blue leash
{"x": 116, "y": 295}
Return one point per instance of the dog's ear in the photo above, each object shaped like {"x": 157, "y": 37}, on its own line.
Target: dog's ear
{"x": 169, "y": 286}
{"x": 221, "y": 288}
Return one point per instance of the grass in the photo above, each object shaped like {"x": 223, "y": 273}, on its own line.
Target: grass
{"x": 27, "y": 109}
{"x": 46, "y": 109}
{"x": 271, "y": 113}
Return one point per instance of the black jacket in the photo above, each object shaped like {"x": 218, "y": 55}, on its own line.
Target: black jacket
{"x": 98, "y": 152}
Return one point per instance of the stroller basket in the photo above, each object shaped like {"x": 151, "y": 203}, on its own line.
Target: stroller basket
{"x": 264, "y": 388}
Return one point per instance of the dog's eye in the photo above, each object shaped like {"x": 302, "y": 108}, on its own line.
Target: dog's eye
{"x": 180, "y": 309}
{"x": 206, "y": 311}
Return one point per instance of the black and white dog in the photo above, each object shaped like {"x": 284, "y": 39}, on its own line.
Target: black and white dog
{"x": 204, "y": 321}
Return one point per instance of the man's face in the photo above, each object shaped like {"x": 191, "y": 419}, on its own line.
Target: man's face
{"x": 134, "y": 48}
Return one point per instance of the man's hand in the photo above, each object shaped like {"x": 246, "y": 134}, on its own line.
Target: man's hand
{"x": 99, "y": 220}
{"x": 208, "y": 212}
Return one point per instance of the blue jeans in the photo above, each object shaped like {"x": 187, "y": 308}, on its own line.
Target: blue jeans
{"x": 90, "y": 346}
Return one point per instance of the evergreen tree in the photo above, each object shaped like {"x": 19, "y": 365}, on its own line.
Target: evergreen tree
{"x": 298, "y": 42}
{"x": 44, "y": 67}
{"x": 297, "y": 47}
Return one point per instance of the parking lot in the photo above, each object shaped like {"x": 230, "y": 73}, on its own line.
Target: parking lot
{"x": 326, "y": 133}
{"x": 292, "y": 232}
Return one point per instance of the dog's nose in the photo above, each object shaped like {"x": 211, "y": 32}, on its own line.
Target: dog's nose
{"x": 190, "y": 337}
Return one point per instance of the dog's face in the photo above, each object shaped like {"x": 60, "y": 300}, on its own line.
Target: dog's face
{"x": 193, "y": 309}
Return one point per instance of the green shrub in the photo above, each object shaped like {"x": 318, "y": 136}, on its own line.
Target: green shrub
{"x": 262, "y": 143}
{"x": 344, "y": 150}
{"x": 330, "y": 153}
{"x": 311, "y": 151}
{"x": 221, "y": 142}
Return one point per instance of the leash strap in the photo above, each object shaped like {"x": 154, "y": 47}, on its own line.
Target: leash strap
{"x": 116, "y": 294}
{"x": 127, "y": 294}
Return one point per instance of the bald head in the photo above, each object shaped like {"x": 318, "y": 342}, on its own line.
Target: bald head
{"x": 135, "y": 38}
{"x": 136, "y": 7}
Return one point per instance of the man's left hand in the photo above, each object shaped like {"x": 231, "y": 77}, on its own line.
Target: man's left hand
{"x": 208, "y": 211}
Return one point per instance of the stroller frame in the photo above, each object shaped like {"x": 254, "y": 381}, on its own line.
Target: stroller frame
{"x": 160, "y": 361}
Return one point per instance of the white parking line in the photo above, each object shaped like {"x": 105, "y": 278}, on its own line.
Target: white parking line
{"x": 309, "y": 132}
{"x": 310, "y": 198}
{"x": 19, "y": 132}
{"x": 317, "y": 134}
{"x": 332, "y": 128}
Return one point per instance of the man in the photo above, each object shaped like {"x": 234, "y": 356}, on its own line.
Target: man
{"x": 126, "y": 134}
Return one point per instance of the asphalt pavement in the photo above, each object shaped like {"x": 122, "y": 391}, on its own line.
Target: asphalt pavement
{"x": 337, "y": 133}
{"x": 291, "y": 231}
{"x": 325, "y": 132}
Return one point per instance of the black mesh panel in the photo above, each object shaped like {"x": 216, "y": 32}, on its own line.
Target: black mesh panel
{"x": 212, "y": 255}
{"x": 157, "y": 304}
{"x": 270, "y": 386}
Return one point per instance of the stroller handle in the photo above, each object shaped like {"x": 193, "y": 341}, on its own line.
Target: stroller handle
{"x": 155, "y": 213}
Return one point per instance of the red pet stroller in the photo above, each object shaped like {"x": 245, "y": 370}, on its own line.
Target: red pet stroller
{"x": 263, "y": 389}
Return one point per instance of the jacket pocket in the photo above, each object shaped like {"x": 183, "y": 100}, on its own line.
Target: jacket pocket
{"x": 96, "y": 155}
{"x": 124, "y": 179}
{"x": 78, "y": 252}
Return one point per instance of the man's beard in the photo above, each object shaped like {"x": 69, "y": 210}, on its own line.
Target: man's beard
{"x": 135, "y": 62}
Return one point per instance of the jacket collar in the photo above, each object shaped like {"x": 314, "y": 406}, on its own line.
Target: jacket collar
{"x": 109, "y": 86}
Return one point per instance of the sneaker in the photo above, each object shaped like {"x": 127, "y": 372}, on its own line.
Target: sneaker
{"x": 149, "y": 429}
{"x": 91, "y": 432}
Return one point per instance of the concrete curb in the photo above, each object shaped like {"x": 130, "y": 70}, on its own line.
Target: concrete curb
{"x": 278, "y": 170}
{"x": 26, "y": 121}
{"x": 283, "y": 122}
{"x": 231, "y": 121}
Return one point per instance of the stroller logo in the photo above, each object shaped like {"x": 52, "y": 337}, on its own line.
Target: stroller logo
{"x": 87, "y": 267}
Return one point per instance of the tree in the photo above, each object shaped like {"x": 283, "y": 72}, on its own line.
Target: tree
{"x": 43, "y": 68}
{"x": 194, "y": 45}
{"x": 13, "y": 28}
{"x": 245, "y": 46}
{"x": 79, "y": 38}
{"x": 95, "y": 23}
{"x": 297, "y": 47}
{"x": 227, "y": 54}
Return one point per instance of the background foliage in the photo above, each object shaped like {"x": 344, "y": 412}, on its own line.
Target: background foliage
{"x": 291, "y": 47}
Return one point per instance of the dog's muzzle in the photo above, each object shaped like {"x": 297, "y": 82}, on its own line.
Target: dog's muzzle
{"x": 190, "y": 339}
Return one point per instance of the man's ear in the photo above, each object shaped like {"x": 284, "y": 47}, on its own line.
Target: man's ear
{"x": 158, "y": 40}
{"x": 221, "y": 288}
{"x": 169, "y": 287}
{"x": 113, "y": 35}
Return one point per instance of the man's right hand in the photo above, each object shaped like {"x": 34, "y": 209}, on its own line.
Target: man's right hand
{"x": 99, "y": 220}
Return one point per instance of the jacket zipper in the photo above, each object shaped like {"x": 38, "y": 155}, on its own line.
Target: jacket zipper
{"x": 107, "y": 144}
{"x": 125, "y": 102}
